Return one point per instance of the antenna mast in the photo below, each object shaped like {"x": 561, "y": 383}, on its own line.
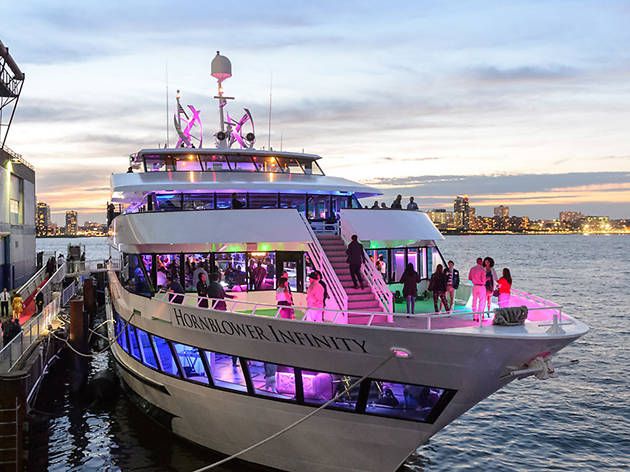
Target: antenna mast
{"x": 167, "y": 111}
{"x": 269, "y": 117}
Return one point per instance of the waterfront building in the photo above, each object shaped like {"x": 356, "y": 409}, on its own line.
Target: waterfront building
{"x": 71, "y": 223}
{"x": 461, "y": 209}
{"x": 43, "y": 219}
{"x": 595, "y": 224}
{"x": 502, "y": 212}
{"x": 17, "y": 220}
{"x": 442, "y": 218}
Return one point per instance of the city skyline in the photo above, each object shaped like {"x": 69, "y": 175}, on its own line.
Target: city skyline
{"x": 504, "y": 102}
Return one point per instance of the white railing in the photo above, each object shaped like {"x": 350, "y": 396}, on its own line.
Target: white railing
{"x": 31, "y": 284}
{"x": 92, "y": 265}
{"x": 371, "y": 274}
{"x": 423, "y": 321}
{"x": 11, "y": 354}
{"x": 321, "y": 262}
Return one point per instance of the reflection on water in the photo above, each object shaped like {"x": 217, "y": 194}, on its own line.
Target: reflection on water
{"x": 575, "y": 422}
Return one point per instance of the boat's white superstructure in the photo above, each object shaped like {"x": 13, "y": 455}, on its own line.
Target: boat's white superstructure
{"x": 226, "y": 373}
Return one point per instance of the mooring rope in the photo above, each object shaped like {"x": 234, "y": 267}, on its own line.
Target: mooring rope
{"x": 301, "y": 420}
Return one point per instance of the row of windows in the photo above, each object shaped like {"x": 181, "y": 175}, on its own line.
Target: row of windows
{"x": 316, "y": 207}
{"x": 280, "y": 382}
{"x": 238, "y": 271}
{"x": 226, "y": 163}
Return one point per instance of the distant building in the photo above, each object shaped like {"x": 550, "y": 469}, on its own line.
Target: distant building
{"x": 441, "y": 218}
{"x": 461, "y": 210}
{"x": 595, "y": 224}
{"x": 502, "y": 212}
{"x": 17, "y": 220}
{"x": 71, "y": 223}
{"x": 570, "y": 217}
{"x": 43, "y": 219}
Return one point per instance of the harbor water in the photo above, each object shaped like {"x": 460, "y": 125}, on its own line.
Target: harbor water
{"x": 578, "y": 421}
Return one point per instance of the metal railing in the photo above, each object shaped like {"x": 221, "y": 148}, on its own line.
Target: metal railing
{"x": 371, "y": 274}
{"x": 321, "y": 262}
{"x": 32, "y": 284}
{"x": 11, "y": 354}
{"x": 89, "y": 266}
{"x": 422, "y": 321}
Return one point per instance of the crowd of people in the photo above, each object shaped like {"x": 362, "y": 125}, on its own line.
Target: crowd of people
{"x": 445, "y": 281}
{"x": 397, "y": 204}
{"x": 10, "y": 319}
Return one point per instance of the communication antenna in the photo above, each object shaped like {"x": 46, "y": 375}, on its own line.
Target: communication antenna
{"x": 167, "y": 111}
{"x": 269, "y": 117}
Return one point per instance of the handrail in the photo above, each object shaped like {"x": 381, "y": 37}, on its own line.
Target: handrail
{"x": 166, "y": 297}
{"x": 31, "y": 284}
{"x": 11, "y": 354}
{"x": 319, "y": 258}
{"x": 370, "y": 273}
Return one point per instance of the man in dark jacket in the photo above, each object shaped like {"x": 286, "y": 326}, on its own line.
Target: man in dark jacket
{"x": 452, "y": 283}
{"x": 39, "y": 301}
{"x": 355, "y": 259}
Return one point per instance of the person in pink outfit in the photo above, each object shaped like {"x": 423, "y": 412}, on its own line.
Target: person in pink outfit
{"x": 477, "y": 275}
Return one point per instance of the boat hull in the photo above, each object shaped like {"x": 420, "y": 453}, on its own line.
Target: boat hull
{"x": 474, "y": 366}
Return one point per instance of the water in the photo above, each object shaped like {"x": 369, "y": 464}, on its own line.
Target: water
{"x": 576, "y": 422}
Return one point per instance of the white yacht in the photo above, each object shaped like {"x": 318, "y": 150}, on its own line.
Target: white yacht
{"x": 228, "y": 372}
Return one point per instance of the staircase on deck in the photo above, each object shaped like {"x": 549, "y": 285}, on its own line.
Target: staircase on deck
{"x": 359, "y": 299}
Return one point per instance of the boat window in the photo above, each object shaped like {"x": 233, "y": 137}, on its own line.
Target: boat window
{"x": 262, "y": 270}
{"x": 121, "y": 333}
{"x": 319, "y": 387}
{"x": 167, "y": 268}
{"x": 398, "y": 263}
{"x": 215, "y": 163}
{"x": 199, "y": 201}
{"x": 167, "y": 363}
{"x": 318, "y": 207}
{"x": 291, "y": 166}
{"x": 147, "y": 349}
{"x": 317, "y": 170}
{"x": 259, "y": 200}
{"x": 138, "y": 281}
{"x": 397, "y": 400}
{"x": 232, "y": 267}
{"x": 272, "y": 380}
{"x": 134, "y": 347}
{"x": 242, "y": 163}
{"x": 154, "y": 164}
{"x": 226, "y": 371}
{"x": 192, "y": 365}
{"x": 231, "y": 200}
{"x": 355, "y": 202}
{"x": 196, "y": 264}
{"x": 267, "y": 164}
{"x": 339, "y": 203}
{"x": 293, "y": 201}
{"x": 412, "y": 258}
{"x": 168, "y": 202}
{"x": 189, "y": 162}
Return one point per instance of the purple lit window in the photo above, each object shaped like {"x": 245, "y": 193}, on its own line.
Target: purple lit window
{"x": 272, "y": 380}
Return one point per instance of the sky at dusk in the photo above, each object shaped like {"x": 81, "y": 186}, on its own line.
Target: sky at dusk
{"x": 521, "y": 103}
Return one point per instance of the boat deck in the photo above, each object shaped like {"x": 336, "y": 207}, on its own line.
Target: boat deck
{"x": 542, "y": 314}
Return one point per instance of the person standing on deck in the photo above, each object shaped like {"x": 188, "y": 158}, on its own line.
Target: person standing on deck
{"x": 5, "y": 298}
{"x": 477, "y": 275}
{"x": 202, "y": 291}
{"x": 410, "y": 280}
{"x": 505, "y": 288}
{"x": 412, "y": 206}
{"x": 314, "y": 299}
{"x": 452, "y": 283}
{"x": 355, "y": 259}
{"x": 39, "y": 301}
{"x": 491, "y": 281}
{"x": 397, "y": 203}
{"x": 18, "y": 306}
{"x": 437, "y": 285}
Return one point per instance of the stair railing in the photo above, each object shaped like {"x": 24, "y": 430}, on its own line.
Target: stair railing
{"x": 371, "y": 274}
{"x": 321, "y": 262}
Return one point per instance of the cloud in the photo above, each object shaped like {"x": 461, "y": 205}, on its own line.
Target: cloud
{"x": 525, "y": 73}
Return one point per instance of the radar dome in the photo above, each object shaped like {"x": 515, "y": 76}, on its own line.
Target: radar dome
{"x": 221, "y": 67}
